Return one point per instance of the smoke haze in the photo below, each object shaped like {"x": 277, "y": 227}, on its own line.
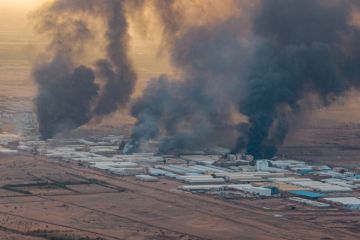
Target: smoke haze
{"x": 245, "y": 68}
{"x": 69, "y": 96}
{"x": 303, "y": 50}
{"x": 294, "y": 48}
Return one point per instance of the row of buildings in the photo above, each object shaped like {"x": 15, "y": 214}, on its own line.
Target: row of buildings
{"x": 225, "y": 175}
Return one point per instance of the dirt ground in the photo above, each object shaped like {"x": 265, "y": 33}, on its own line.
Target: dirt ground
{"x": 332, "y": 143}
{"x": 43, "y": 199}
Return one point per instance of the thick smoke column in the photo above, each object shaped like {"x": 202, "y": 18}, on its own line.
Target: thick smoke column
{"x": 65, "y": 89}
{"x": 310, "y": 47}
{"x": 261, "y": 64}
{"x": 186, "y": 110}
{"x": 64, "y": 100}
{"x": 68, "y": 95}
{"x": 118, "y": 72}
{"x": 295, "y": 48}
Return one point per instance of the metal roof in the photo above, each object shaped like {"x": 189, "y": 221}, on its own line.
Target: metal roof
{"x": 307, "y": 194}
{"x": 345, "y": 200}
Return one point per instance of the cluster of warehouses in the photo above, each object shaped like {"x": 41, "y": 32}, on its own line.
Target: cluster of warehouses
{"x": 199, "y": 175}
{"x": 282, "y": 179}
{"x": 317, "y": 186}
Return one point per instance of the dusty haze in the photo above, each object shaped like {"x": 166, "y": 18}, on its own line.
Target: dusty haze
{"x": 19, "y": 45}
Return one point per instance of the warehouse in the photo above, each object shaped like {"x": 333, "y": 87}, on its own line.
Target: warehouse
{"x": 348, "y": 202}
{"x": 248, "y": 174}
{"x": 248, "y": 188}
{"x": 288, "y": 179}
{"x": 201, "y": 159}
{"x": 173, "y": 169}
{"x": 244, "y": 179}
{"x": 110, "y": 165}
{"x": 147, "y": 158}
{"x": 156, "y": 172}
{"x": 339, "y": 182}
{"x": 262, "y": 165}
{"x": 146, "y": 178}
{"x": 126, "y": 171}
{"x": 208, "y": 169}
{"x": 288, "y": 187}
{"x": 321, "y": 187}
{"x": 308, "y": 202}
{"x": 287, "y": 163}
{"x": 306, "y": 194}
{"x": 202, "y": 188}
{"x": 104, "y": 150}
{"x": 202, "y": 180}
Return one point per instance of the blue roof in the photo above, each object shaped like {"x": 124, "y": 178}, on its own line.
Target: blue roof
{"x": 306, "y": 170}
{"x": 307, "y": 193}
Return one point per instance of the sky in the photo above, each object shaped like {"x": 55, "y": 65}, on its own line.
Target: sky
{"x": 28, "y": 4}
{"x": 19, "y": 46}
{"x": 16, "y": 38}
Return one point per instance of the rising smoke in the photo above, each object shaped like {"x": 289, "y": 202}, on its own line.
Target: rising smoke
{"x": 295, "y": 48}
{"x": 68, "y": 95}
{"x": 116, "y": 69}
{"x": 195, "y": 112}
{"x": 260, "y": 63}
{"x": 310, "y": 47}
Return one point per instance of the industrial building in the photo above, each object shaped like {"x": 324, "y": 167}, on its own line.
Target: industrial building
{"x": 248, "y": 188}
{"x": 202, "y": 180}
{"x": 320, "y": 186}
{"x": 308, "y": 202}
{"x": 348, "y": 202}
{"x": 202, "y": 188}
{"x": 200, "y": 173}
{"x": 262, "y": 165}
{"x": 306, "y": 194}
{"x": 146, "y": 178}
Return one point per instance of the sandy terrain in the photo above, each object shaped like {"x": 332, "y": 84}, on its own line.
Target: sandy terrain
{"x": 333, "y": 144}
{"x": 42, "y": 198}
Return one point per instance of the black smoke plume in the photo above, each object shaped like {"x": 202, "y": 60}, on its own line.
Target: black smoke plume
{"x": 68, "y": 94}
{"x": 307, "y": 47}
{"x": 295, "y": 48}
{"x": 116, "y": 69}
{"x": 63, "y": 106}
{"x": 186, "y": 111}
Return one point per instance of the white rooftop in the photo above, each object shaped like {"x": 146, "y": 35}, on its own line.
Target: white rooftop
{"x": 345, "y": 200}
{"x": 320, "y": 186}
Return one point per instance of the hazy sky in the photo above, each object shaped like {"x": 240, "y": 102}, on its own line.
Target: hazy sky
{"x": 15, "y": 41}
{"x": 19, "y": 45}
{"x": 20, "y": 3}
